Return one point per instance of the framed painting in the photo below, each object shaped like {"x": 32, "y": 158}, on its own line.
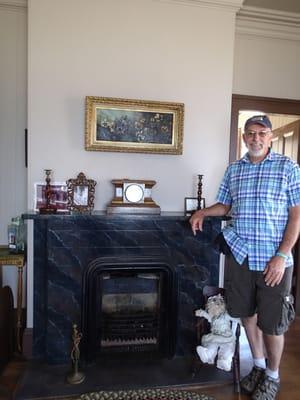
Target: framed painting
{"x": 136, "y": 126}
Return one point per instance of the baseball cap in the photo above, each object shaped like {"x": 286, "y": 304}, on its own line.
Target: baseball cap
{"x": 258, "y": 119}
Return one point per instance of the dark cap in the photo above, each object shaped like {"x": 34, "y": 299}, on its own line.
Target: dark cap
{"x": 258, "y": 119}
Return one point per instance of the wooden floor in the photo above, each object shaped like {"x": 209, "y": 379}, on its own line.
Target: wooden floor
{"x": 289, "y": 372}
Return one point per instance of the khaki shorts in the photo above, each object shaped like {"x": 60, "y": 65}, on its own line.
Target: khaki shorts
{"x": 247, "y": 294}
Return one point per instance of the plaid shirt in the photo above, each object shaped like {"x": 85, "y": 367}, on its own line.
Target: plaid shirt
{"x": 260, "y": 196}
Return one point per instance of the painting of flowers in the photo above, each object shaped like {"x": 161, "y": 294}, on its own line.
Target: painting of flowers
{"x": 133, "y": 125}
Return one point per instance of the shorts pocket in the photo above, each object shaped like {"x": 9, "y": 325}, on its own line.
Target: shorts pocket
{"x": 288, "y": 312}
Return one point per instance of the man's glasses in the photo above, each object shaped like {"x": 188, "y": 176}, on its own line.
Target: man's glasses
{"x": 262, "y": 134}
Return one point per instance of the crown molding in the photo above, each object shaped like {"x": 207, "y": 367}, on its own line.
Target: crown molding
{"x": 14, "y": 5}
{"x": 229, "y": 5}
{"x": 268, "y": 23}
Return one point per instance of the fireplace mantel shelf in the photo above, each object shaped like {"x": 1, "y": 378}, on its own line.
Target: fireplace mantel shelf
{"x": 104, "y": 215}
{"x": 171, "y": 215}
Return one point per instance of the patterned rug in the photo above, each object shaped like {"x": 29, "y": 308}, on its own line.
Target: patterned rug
{"x": 145, "y": 394}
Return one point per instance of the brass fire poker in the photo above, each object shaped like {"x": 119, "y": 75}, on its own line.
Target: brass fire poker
{"x": 75, "y": 377}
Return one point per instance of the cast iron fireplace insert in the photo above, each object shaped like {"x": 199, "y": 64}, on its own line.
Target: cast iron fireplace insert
{"x": 129, "y": 307}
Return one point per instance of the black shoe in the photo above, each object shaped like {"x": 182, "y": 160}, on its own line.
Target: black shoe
{"x": 266, "y": 389}
{"x": 250, "y": 381}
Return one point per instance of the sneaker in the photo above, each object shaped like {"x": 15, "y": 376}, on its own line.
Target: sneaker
{"x": 250, "y": 381}
{"x": 266, "y": 389}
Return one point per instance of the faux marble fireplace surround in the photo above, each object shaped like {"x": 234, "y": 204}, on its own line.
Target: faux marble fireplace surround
{"x": 65, "y": 245}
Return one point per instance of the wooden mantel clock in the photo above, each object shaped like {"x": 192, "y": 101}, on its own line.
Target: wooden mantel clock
{"x": 133, "y": 197}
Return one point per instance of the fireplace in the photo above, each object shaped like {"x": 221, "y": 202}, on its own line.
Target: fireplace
{"x": 89, "y": 269}
{"x": 129, "y": 306}
{"x": 131, "y": 283}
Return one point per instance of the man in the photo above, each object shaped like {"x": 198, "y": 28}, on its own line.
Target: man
{"x": 262, "y": 191}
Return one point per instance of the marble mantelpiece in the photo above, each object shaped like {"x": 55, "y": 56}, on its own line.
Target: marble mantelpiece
{"x": 65, "y": 244}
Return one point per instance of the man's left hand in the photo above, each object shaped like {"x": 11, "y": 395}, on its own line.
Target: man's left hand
{"x": 274, "y": 271}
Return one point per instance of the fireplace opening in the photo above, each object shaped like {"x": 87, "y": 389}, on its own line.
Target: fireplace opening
{"x": 129, "y": 306}
{"x": 130, "y": 311}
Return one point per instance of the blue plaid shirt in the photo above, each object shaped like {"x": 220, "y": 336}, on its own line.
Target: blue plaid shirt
{"x": 260, "y": 196}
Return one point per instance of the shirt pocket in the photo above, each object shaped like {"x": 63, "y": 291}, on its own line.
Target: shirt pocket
{"x": 272, "y": 190}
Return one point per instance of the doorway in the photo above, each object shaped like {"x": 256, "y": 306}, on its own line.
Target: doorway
{"x": 285, "y": 117}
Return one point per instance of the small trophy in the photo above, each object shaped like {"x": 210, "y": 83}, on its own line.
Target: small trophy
{"x": 75, "y": 376}
{"x": 49, "y": 208}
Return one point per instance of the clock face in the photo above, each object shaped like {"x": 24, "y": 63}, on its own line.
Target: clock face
{"x": 134, "y": 193}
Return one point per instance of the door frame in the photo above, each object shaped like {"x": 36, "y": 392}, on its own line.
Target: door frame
{"x": 276, "y": 106}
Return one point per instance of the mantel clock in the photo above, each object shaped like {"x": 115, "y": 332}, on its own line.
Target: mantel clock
{"x": 133, "y": 196}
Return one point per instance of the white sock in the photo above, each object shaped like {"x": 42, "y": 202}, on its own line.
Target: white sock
{"x": 260, "y": 362}
{"x": 272, "y": 374}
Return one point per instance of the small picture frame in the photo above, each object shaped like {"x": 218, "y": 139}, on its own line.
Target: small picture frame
{"x": 191, "y": 204}
{"x": 58, "y": 196}
{"x": 80, "y": 194}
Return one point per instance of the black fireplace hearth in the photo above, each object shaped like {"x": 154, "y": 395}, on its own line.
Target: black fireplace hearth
{"x": 42, "y": 381}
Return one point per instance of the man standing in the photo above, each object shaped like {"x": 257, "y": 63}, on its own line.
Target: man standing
{"x": 262, "y": 192}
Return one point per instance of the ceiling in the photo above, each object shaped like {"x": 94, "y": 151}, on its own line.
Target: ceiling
{"x": 282, "y": 5}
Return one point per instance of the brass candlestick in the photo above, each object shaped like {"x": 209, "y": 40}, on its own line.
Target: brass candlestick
{"x": 49, "y": 208}
{"x": 75, "y": 376}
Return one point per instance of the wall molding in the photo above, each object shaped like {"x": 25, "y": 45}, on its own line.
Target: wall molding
{"x": 228, "y": 5}
{"x": 268, "y": 23}
{"x": 14, "y": 5}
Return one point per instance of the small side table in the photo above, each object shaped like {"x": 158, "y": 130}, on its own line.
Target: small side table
{"x": 17, "y": 260}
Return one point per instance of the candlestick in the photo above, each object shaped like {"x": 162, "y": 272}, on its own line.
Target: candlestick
{"x": 199, "y": 192}
{"x": 49, "y": 208}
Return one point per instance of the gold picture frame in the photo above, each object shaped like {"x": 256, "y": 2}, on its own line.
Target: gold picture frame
{"x": 135, "y": 126}
{"x": 81, "y": 194}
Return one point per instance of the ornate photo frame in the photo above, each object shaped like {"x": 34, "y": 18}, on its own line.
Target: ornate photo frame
{"x": 81, "y": 194}
{"x": 137, "y": 126}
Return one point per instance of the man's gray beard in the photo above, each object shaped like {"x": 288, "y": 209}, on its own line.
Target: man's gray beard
{"x": 257, "y": 153}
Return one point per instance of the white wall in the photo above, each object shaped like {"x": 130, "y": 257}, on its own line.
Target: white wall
{"x": 13, "y": 95}
{"x": 13, "y": 26}
{"x": 139, "y": 49}
{"x": 267, "y": 67}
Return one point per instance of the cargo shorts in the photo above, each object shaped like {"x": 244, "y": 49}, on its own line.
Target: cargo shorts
{"x": 247, "y": 294}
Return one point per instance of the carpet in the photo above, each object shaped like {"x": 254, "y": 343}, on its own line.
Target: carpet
{"x": 145, "y": 394}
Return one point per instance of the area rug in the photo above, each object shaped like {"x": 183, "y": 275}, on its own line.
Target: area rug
{"x": 145, "y": 394}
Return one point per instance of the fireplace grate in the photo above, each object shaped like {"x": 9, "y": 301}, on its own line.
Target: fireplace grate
{"x": 129, "y": 329}
{"x": 128, "y": 348}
